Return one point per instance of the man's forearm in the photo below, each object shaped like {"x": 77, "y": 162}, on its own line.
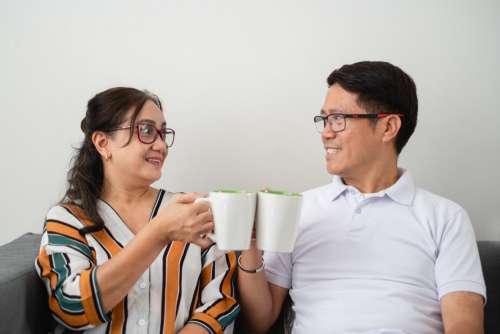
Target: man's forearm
{"x": 255, "y": 296}
{"x": 467, "y": 329}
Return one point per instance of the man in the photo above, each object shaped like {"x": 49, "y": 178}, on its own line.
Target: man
{"x": 374, "y": 253}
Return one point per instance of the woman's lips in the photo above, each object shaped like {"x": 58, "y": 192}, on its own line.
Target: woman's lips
{"x": 155, "y": 161}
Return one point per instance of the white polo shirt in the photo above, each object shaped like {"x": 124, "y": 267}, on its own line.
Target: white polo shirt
{"x": 376, "y": 263}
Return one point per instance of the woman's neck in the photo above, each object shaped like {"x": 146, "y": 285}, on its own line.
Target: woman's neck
{"x": 125, "y": 194}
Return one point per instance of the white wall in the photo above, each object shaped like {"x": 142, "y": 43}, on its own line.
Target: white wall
{"x": 241, "y": 81}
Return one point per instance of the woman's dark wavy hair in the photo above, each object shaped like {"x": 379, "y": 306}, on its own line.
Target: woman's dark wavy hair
{"x": 381, "y": 87}
{"x": 105, "y": 111}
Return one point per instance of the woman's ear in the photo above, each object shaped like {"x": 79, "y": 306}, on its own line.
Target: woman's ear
{"x": 100, "y": 141}
{"x": 392, "y": 124}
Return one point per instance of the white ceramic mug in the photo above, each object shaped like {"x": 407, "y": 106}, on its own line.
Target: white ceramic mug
{"x": 234, "y": 215}
{"x": 278, "y": 214}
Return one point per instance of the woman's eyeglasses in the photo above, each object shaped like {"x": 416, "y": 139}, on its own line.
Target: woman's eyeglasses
{"x": 148, "y": 133}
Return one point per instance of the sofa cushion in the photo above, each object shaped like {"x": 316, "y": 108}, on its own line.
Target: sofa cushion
{"x": 489, "y": 252}
{"x": 23, "y": 302}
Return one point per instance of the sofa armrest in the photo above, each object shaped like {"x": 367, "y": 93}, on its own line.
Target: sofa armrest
{"x": 23, "y": 302}
{"x": 489, "y": 251}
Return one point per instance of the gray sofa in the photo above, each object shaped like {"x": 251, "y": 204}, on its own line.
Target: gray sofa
{"x": 23, "y": 300}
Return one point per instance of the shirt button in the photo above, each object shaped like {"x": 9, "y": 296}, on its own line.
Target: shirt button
{"x": 141, "y": 322}
{"x": 358, "y": 211}
{"x": 143, "y": 285}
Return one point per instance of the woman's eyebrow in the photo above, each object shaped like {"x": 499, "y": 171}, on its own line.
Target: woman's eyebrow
{"x": 150, "y": 121}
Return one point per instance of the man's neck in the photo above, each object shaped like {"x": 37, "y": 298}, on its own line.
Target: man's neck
{"x": 375, "y": 178}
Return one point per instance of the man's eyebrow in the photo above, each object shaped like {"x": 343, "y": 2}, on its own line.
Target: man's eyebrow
{"x": 330, "y": 111}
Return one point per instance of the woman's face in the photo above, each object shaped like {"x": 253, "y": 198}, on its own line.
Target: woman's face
{"x": 137, "y": 163}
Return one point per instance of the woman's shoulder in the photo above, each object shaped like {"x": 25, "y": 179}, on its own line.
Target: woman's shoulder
{"x": 66, "y": 213}
{"x": 163, "y": 196}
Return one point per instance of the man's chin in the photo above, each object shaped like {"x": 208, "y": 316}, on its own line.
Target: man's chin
{"x": 332, "y": 170}
{"x": 335, "y": 169}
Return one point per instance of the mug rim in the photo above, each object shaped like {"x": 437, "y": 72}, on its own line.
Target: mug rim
{"x": 232, "y": 191}
{"x": 280, "y": 192}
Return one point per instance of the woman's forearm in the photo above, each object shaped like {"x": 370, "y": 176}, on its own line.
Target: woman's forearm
{"x": 116, "y": 276}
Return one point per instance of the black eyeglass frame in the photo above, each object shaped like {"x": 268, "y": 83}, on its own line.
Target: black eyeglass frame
{"x": 325, "y": 120}
{"x": 159, "y": 132}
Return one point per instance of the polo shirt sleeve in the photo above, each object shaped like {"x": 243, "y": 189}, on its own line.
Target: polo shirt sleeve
{"x": 458, "y": 267}
{"x": 278, "y": 268}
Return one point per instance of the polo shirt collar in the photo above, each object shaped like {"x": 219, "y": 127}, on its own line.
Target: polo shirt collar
{"x": 403, "y": 191}
{"x": 337, "y": 187}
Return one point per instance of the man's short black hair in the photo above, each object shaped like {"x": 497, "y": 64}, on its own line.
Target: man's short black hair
{"x": 381, "y": 87}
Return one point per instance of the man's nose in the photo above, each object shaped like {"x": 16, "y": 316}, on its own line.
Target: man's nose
{"x": 328, "y": 133}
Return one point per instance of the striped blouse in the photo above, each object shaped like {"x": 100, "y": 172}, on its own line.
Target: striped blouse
{"x": 184, "y": 284}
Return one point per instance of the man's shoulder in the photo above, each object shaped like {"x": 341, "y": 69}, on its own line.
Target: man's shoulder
{"x": 320, "y": 191}
{"x": 317, "y": 196}
{"x": 429, "y": 202}
{"x": 315, "y": 202}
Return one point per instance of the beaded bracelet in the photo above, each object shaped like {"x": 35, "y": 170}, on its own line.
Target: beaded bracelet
{"x": 251, "y": 271}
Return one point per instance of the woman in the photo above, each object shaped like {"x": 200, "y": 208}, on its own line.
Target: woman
{"x": 118, "y": 255}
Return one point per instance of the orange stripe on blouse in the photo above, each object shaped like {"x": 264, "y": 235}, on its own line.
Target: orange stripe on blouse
{"x": 43, "y": 260}
{"x": 206, "y": 275}
{"x": 74, "y": 320}
{"x": 57, "y": 227}
{"x": 102, "y": 236}
{"x": 117, "y": 318}
{"x": 117, "y": 321}
{"x": 172, "y": 286}
{"x": 214, "y": 324}
{"x": 78, "y": 213}
{"x": 87, "y": 298}
{"x": 196, "y": 298}
{"x": 113, "y": 248}
{"x": 227, "y": 303}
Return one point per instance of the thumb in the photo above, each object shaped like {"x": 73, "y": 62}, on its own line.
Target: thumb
{"x": 202, "y": 242}
{"x": 186, "y": 198}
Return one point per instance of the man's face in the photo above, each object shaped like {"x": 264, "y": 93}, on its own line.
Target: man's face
{"x": 353, "y": 151}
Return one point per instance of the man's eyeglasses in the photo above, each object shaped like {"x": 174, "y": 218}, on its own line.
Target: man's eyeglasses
{"x": 147, "y": 133}
{"x": 337, "y": 122}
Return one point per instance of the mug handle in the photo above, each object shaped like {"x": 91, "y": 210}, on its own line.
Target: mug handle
{"x": 211, "y": 236}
